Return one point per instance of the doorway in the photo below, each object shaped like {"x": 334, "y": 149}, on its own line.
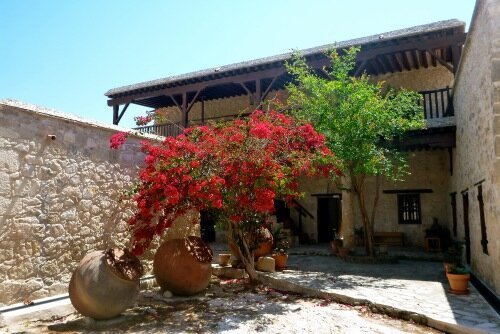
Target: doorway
{"x": 207, "y": 226}
{"x": 329, "y": 217}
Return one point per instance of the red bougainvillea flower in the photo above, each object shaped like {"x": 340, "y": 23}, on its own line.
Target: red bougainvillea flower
{"x": 239, "y": 167}
{"x": 117, "y": 140}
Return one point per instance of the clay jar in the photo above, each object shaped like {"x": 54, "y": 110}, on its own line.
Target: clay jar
{"x": 105, "y": 283}
{"x": 183, "y": 266}
{"x": 262, "y": 241}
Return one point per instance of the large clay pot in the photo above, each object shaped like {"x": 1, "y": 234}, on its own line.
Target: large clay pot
{"x": 183, "y": 266}
{"x": 105, "y": 283}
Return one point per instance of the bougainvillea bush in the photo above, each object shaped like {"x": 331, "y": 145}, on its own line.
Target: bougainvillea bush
{"x": 238, "y": 167}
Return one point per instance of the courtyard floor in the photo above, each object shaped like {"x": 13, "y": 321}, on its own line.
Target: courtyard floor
{"x": 415, "y": 286}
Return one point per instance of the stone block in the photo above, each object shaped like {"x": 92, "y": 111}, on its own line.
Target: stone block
{"x": 265, "y": 263}
{"x": 4, "y": 184}
{"x": 228, "y": 272}
{"x": 9, "y": 161}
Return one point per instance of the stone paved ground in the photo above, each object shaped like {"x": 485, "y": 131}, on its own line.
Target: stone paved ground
{"x": 416, "y": 286}
{"x": 228, "y": 306}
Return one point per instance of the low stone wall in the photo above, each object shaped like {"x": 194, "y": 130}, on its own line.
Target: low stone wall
{"x": 59, "y": 198}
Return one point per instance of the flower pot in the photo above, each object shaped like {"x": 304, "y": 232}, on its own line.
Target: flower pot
{"x": 458, "y": 283}
{"x": 280, "y": 261}
{"x": 105, "y": 283}
{"x": 224, "y": 259}
{"x": 183, "y": 266}
{"x": 336, "y": 245}
{"x": 263, "y": 242}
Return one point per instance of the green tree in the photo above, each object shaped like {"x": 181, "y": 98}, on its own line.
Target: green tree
{"x": 360, "y": 120}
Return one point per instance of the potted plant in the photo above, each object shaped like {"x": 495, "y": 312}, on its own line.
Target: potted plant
{"x": 280, "y": 255}
{"x": 458, "y": 277}
{"x": 453, "y": 255}
{"x": 457, "y": 274}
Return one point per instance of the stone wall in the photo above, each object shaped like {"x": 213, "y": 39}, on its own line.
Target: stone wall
{"x": 59, "y": 198}
{"x": 477, "y": 113}
{"x": 429, "y": 170}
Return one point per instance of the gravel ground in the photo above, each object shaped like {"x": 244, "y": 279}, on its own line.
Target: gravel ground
{"x": 230, "y": 307}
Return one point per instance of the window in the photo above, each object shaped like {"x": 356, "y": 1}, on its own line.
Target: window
{"x": 409, "y": 209}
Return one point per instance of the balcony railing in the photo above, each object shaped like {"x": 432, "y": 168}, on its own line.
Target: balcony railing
{"x": 437, "y": 103}
{"x": 165, "y": 130}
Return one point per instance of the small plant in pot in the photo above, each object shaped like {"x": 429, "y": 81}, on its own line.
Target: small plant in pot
{"x": 280, "y": 255}
{"x": 458, "y": 277}
{"x": 457, "y": 274}
{"x": 453, "y": 255}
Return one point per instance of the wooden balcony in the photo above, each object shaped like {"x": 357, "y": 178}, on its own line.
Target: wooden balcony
{"x": 438, "y": 104}
{"x": 165, "y": 130}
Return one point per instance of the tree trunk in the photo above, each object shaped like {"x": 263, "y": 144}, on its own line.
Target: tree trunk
{"x": 246, "y": 256}
{"x": 359, "y": 190}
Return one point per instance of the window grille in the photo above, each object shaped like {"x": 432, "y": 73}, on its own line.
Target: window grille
{"x": 409, "y": 209}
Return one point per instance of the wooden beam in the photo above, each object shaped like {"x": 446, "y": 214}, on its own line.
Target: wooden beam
{"x": 123, "y": 112}
{"x": 175, "y": 102}
{"x": 202, "y": 110}
{"x": 433, "y": 59}
{"x": 258, "y": 92}
{"x": 406, "y": 60}
{"x": 455, "y": 57}
{"x": 371, "y": 65}
{"x": 408, "y": 191}
{"x": 416, "y": 61}
{"x": 252, "y": 101}
{"x": 397, "y": 62}
{"x": 185, "y": 115}
{"x": 115, "y": 114}
{"x": 423, "y": 56}
{"x": 441, "y": 61}
{"x": 382, "y": 65}
{"x": 192, "y": 101}
{"x": 389, "y": 63}
{"x": 268, "y": 89}
{"x": 360, "y": 68}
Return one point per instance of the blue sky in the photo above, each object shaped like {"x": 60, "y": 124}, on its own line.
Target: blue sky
{"x": 66, "y": 54}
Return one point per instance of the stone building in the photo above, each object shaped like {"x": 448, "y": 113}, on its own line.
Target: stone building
{"x": 60, "y": 195}
{"x": 454, "y": 162}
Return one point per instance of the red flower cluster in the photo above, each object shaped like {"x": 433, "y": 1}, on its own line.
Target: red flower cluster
{"x": 240, "y": 167}
{"x": 143, "y": 120}
{"x": 117, "y": 140}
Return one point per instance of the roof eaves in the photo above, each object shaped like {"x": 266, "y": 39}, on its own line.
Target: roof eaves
{"x": 225, "y": 69}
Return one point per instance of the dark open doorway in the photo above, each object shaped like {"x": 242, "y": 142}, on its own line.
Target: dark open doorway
{"x": 329, "y": 217}
{"x": 207, "y": 226}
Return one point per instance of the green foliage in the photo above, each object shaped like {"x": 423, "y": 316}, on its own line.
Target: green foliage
{"x": 356, "y": 115}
